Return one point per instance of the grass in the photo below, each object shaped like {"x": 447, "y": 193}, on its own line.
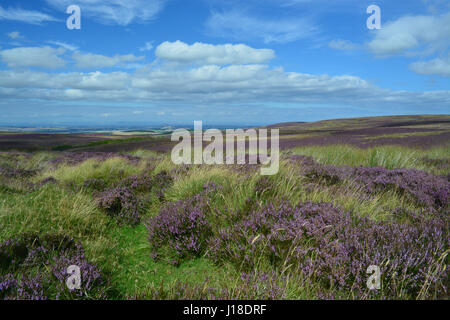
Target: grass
{"x": 110, "y": 170}
{"x": 135, "y": 274}
{"x": 389, "y": 157}
{"x": 123, "y": 251}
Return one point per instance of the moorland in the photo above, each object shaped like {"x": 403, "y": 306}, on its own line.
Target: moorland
{"x": 349, "y": 194}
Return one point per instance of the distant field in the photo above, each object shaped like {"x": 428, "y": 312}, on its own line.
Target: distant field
{"x": 349, "y": 194}
{"x": 413, "y": 131}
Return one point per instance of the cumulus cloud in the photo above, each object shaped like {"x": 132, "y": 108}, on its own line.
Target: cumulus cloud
{"x": 92, "y": 61}
{"x": 115, "y": 12}
{"x": 203, "y": 53}
{"x": 412, "y": 35}
{"x": 224, "y": 75}
{"x": 44, "y": 57}
{"x": 438, "y": 66}
{"x": 209, "y": 84}
{"x": 242, "y": 26}
{"x": 339, "y": 44}
{"x": 27, "y": 16}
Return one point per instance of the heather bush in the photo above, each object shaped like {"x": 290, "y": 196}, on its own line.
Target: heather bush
{"x": 35, "y": 268}
{"x": 95, "y": 184}
{"x": 161, "y": 182}
{"x": 330, "y": 247}
{"x": 75, "y": 158}
{"x": 181, "y": 228}
{"x": 139, "y": 183}
{"x": 16, "y": 173}
{"x": 424, "y": 188}
{"x": 122, "y": 204}
{"x": 47, "y": 180}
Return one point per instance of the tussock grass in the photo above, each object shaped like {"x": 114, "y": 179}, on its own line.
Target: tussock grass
{"x": 51, "y": 210}
{"x": 111, "y": 170}
{"x": 389, "y": 157}
{"x": 123, "y": 251}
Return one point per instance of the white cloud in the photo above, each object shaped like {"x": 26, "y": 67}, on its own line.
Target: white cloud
{"x": 64, "y": 45}
{"x": 210, "y": 84}
{"x": 339, "y": 44}
{"x": 241, "y": 26}
{"x": 44, "y": 57}
{"x": 203, "y": 53}
{"x": 147, "y": 47}
{"x": 424, "y": 34}
{"x": 33, "y": 17}
{"x": 220, "y": 77}
{"x": 120, "y": 12}
{"x": 89, "y": 60}
{"x": 438, "y": 66}
{"x": 14, "y": 35}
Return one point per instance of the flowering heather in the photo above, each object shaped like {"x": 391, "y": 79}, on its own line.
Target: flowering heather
{"x": 329, "y": 246}
{"x": 161, "y": 181}
{"x": 16, "y": 173}
{"x": 366, "y": 138}
{"x": 142, "y": 183}
{"x": 34, "y": 268}
{"x": 426, "y": 189}
{"x": 92, "y": 282}
{"x": 47, "y": 181}
{"x": 25, "y": 288}
{"x": 74, "y": 158}
{"x": 438, "y": 163}
{"x": 95, "y": 184}
{"x": 123, "y": 200}
{"x": 180, "y": 170}
{"x": 122, "y": 203}
{"x": 181, "y": 228}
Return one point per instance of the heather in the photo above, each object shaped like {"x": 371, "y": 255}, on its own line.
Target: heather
{"x": 327, "y": 246}
{"x": 424, "y": 188}
{"x": 141, "y": 227}
{"x": 35, "y": 268}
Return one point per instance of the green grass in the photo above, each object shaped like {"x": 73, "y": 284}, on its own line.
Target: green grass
{"x": 123, "y": 251}
{"x": 389, "y": 157}
{"x": 135, "y": 273}
{"x": 110, "y": 170}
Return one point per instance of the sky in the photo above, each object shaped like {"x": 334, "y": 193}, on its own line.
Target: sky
{"x": 252, "y": 62}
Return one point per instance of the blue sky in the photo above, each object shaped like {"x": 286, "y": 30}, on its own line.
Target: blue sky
{"x": 150, "y": 62}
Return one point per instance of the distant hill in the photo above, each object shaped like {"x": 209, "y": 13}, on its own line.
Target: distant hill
{"x": 416, "y": 131}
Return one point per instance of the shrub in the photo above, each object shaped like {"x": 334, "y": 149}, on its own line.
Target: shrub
{"x": 329, "y": 246}
{"x": 35, "y": 267}
{"x": 138, "y": 183}
{"x": 121, "y": 203}
{"x": 95, "y": 184}
{"x": 16, "y": 173}
{"x": 424, "y": 188}
{"x": 181, "y": 227}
